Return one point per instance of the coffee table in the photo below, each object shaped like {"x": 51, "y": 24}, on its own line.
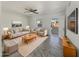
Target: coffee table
{"x": 28, "y": 38}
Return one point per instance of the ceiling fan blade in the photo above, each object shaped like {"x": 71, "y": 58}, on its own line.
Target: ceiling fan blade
{"x": 35, "y": 12}
{"x": 31, "y": 10}
{"x": 27, "y": 11}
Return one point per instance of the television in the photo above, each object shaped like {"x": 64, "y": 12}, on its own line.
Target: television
{"x": 73, "y": 21}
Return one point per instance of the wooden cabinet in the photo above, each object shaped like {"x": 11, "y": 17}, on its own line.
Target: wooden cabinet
{"x": 69, "y": 49}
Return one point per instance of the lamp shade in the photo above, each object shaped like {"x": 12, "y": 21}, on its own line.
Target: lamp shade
{"x": 5, "y": 29}
{"x": 38, "y": 22}
{"x": 27, "y": 27}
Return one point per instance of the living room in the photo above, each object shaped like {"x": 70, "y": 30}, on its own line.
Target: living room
{"x": 39, "y": 20}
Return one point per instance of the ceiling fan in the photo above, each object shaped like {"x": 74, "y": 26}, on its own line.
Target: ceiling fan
{"x": 31, "y": 10}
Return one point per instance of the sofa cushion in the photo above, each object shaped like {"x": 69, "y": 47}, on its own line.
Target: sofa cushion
{"x": 9, "y": 43}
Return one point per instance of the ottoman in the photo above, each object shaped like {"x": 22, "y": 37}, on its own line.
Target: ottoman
{"x": 10, "y": 46}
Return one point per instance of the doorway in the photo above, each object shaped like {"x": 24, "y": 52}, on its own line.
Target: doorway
{"x": 55, "y": 27}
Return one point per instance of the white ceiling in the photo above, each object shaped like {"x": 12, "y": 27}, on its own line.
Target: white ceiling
{"x": 43, "y": 7}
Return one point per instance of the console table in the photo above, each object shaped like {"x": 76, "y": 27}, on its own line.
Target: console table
{"x": 69, "y": 50}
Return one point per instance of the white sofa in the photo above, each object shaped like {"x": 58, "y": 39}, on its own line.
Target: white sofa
{"x": 11, "y": 45}
{"x": 20, "y": 33}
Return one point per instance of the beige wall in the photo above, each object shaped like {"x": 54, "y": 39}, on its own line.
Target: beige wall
{"x": 61, "y": 25}
{"x": 0, "y": 33}
{"x": 9, "y": 15}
